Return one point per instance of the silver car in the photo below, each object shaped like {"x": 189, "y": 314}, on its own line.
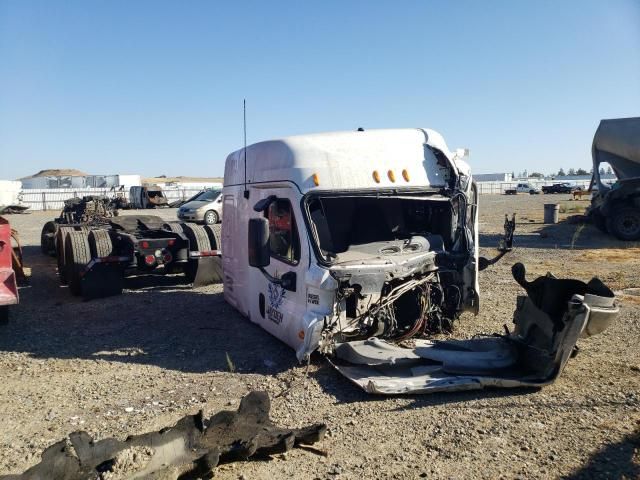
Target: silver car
{"x": 204, "y": 207}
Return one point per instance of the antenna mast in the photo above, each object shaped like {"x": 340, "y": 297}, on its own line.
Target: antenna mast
{"x": 244, "y": 118}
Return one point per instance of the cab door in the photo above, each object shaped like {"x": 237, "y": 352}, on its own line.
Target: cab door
{"x": 277, "y": 309}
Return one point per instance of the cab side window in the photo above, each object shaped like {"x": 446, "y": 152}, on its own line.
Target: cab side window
{"x": 284, "y": 242}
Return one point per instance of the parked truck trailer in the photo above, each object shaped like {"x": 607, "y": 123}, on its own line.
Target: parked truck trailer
{"x": 96, "y": 249}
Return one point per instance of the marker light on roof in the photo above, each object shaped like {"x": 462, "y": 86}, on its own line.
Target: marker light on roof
{"x": 316, "y": 179}
{"x": 405, "y": 175}
{"x": 376, "y": 176}
{"x": 391, "y": 175}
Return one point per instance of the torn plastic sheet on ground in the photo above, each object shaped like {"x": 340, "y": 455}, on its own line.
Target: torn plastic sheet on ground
{"x": 548, "y": 322}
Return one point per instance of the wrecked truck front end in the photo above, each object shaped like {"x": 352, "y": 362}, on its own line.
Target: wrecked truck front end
{"x": 391, "y": 264}
{"x": 548, "y": 322}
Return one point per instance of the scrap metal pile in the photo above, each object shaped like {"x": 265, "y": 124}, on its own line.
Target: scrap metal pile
{"x": 89, "y": 210}
{"x": 192, "y": 448}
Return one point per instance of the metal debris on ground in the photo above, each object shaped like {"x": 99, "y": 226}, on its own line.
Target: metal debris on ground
{"x": 192, "y": 448}
{"x": 548, "y": 322}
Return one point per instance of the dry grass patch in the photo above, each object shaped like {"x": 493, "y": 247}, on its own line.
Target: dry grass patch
{"x": 614, "y": 255}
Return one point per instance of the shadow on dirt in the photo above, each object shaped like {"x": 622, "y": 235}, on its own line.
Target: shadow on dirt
{"x": 615, "y": 461}
{"x": 179, "y": 330}
{"x": 161, "y": 321}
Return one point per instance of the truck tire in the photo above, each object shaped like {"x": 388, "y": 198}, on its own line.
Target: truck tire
{"x": 624, "y": 223}
{"x": 60, "y": 239}
{"x": 47, "y": 238}
{"x": 4, "y": 314}
{"x": 77, "y": 256}
{"x": 213, "y": 232}
{"x": 175, "y": 227}
{"x": 198, "y": 237}
{"x": 211, "y": 217}
{"x": 198, "y": 242}
{"x": 100, "y": 243}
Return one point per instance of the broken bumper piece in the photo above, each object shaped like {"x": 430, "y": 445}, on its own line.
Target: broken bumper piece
{"x": 192, "y": 448}
{"x": 548, "y": 322}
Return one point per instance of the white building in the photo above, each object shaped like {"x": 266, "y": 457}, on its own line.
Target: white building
{"x": 493, "y": 177}
{"x": 85, "y": 181}
{"x": 9, "y": 193}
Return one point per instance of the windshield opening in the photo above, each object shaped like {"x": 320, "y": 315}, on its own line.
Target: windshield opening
{"x": 342, "y": 222}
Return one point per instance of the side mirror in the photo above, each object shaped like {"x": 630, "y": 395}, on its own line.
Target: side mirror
{"x": 259, "y": 255}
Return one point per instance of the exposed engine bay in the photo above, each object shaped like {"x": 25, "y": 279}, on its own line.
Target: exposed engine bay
{"x": 405, "y": 265}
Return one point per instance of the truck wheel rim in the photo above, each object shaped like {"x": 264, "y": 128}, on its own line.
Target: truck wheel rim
{"x": 629, "y": 225}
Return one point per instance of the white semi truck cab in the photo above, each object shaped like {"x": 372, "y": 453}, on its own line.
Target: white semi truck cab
{"x": 342, "y": 236}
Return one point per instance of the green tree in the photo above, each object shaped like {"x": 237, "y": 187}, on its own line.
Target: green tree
{"x": 572, "y": 171}
{"x": 561, "y": 173}
{"x": 581, "y": 171}
{"x": 536, "y": 175}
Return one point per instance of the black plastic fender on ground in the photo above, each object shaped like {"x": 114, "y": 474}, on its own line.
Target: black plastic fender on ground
{"x": 77, "y": 256}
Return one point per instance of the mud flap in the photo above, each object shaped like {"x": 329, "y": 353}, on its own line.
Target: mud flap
{"x": 102, "y": 280}
{"x": 548, "y": 323}
{"x": 208, "y": 271}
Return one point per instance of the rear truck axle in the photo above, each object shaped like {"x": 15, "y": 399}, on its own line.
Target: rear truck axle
{"x": 94, "y": 261}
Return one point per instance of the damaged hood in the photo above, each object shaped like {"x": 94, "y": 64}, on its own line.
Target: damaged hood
{"x": 549, "y": 320}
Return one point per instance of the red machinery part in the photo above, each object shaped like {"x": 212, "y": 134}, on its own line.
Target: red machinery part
{"x": 8, "y": 285}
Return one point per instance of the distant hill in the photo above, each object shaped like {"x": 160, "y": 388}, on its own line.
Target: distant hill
{"x": 57, "y": 172}
{"x": 154, "y": 180}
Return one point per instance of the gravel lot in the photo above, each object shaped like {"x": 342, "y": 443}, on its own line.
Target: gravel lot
{"x": 139, "y": 361}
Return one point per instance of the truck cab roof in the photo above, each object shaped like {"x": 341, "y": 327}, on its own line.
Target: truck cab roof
{"x": 411, "y": 157}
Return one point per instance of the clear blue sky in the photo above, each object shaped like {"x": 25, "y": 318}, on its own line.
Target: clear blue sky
{"x": 155, "y": 87}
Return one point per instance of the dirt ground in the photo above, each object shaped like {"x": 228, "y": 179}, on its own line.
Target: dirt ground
{"x": 138, "y": 362}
